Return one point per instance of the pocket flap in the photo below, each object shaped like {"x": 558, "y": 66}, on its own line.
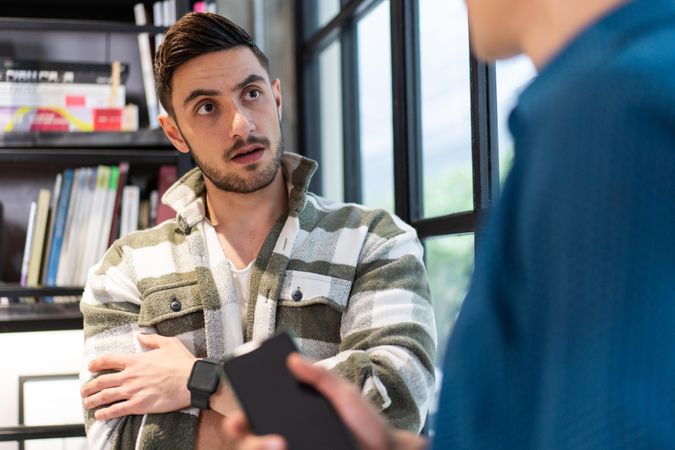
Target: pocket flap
{"x": 169, "y": 302}
{"x": 307, "y": 288}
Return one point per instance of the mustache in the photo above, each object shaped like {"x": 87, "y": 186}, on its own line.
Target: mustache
{"x": 251, "y": 140}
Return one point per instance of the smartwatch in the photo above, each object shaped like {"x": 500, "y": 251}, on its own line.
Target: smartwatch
{"x": 203, "y": 381}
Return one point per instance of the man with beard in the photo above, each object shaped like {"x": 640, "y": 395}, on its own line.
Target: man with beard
{"x": 250, "y": 253}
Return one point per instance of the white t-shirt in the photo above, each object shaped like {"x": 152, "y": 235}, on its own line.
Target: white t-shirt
{"x": 242, "y": 284}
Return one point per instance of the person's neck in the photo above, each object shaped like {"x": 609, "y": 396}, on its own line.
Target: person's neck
{"x": 243, "y": 221}
{"x": 555, "y": 23}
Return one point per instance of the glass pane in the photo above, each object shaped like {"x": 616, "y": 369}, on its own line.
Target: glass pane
{"x": 377, "y": 155}
{"x": 513, "y": 75}
{"x": 319, "y": 13}
{"x": 331, "y": 168}
{"x": 449, "y": 266}
{"x": 446, "y": 107}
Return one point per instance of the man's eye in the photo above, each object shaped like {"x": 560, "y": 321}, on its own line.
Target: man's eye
{"x": 253, "y": 94}
{"x": 206, "y": 108}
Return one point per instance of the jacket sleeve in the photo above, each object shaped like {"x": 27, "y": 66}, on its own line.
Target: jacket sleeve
{"x": 110, "y": 305}
{"x": 388, "y": 333}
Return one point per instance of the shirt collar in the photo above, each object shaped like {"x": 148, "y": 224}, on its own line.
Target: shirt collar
{"x": 186, "y": 196}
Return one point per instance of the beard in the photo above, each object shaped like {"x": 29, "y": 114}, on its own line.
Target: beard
{"x": 260, "y": 177}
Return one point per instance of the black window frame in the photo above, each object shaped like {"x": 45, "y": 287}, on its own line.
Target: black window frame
{"x": 407, "y": 131}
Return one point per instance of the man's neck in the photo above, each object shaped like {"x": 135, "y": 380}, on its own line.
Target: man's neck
{"x": 243, "y": 221}
{"x": 553, "y": 24}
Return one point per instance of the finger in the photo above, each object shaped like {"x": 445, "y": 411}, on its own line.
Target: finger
{"x": 329, "y": 384}
{"x": 151, "y": 341}
{"x": 269, "y": 442}
{"x": 237, "y": 425}
{"x": 114, "y": 411}
{"x": 109, "y": 362}
{"x": 101, "y": 382}
{"x": 105, "y": 397}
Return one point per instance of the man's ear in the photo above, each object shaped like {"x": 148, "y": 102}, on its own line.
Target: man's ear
{"x": 276, "y": 90}
{"x": 173, "y": 133}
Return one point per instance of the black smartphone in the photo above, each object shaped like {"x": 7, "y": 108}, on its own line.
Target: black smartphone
{"x": 275, "y": 402}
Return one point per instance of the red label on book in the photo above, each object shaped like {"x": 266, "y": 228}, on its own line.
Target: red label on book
{"x": 48, "y": 120}
{"x": 75, "y": 100}
{"x": 107, "y": 119}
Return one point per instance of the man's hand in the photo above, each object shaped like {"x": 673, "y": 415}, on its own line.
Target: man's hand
{"x": 368, "y": 427}
{"x": 150, "y": 382}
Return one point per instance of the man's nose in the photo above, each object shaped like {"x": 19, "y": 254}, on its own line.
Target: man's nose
{"x": 242, "y": 125}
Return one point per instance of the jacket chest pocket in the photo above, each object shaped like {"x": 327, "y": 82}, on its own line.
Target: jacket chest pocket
{"x": 311, "y": 305}
{"x": 172, "y": 309}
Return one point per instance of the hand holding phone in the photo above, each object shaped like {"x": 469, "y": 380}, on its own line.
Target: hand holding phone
{"x": 275, "y": 402}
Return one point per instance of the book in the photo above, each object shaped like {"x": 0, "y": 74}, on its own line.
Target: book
{"x": 65, "y": 265}
{"x": 59, "y": 227}
{"x": 51, "y": 221}
{"x": 90, "y": 224}
{"x": 39, "y": 230}
{"x": 130, "y": 203}
{"x": 79, "y": 119}
{"x": 167, "y": 176}
{"x": 34, "y": 71}
{"x": 146, "y": 67}
{"x": 63, "y": 95}
{"x": 109, "y": 209}
{"x": 28, "y": 244}
{"x": 158, "y": 21}
{"x": 123, "y": 169}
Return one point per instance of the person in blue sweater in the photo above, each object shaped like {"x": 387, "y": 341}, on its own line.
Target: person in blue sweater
{"x": 567, "y": 336}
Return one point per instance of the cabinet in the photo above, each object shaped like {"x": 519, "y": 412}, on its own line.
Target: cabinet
{"x": 76, "y": 31}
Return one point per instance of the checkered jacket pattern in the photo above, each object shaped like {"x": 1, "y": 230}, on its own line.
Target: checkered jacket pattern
{"x": 365, "y": 310}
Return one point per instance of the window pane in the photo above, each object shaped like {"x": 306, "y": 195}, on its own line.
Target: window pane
{"x": 377, "y": 157}
{"x": 332, "y": 168}
{"x": 319, "y": 13}
{"x": 449, "y": 266}
{"x": 513, "y": 75}
{"x": 446, "y": 107}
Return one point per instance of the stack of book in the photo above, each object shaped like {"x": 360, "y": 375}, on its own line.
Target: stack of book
{"x": 61, "y": 96}
{"x": 71, "y": 226}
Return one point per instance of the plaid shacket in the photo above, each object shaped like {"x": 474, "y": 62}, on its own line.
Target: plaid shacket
{"x": 365, "y": 311}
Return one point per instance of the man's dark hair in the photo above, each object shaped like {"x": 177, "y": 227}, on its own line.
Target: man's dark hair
{"x": 193, "y": 35}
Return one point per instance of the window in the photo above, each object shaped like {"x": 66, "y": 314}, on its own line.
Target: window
{"x": 513, "y": 75}
{"x": 418, "y": 121}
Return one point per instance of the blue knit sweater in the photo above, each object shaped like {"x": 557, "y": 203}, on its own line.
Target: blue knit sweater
{"x": 567, "y": 336}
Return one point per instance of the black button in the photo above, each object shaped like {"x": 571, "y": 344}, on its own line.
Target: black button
{"x": 175, "y": 305}
{"x": 297, "y": 295}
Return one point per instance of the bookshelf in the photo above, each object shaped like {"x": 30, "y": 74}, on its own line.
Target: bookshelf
{"x": 68, "y": 31}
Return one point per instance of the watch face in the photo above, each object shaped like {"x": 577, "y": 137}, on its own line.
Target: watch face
{"x": 204, "y": 376}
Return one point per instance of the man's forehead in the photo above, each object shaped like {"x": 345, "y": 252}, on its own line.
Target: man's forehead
{"x": 223, "y": 67}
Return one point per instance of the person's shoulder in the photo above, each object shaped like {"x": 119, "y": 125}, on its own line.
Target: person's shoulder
{"x": 334, "y": 215}
{"x": 165, "y": 232}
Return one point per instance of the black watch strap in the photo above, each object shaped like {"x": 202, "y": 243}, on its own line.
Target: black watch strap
{"x": 203, "y": 381}
{"x": 200, "y": 399}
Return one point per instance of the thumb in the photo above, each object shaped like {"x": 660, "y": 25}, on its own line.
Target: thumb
{"x": 151, "y": 341}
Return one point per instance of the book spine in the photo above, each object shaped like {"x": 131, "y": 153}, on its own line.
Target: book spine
{"x": 31, "y": 71}
{"x": 114, "y": 227}
{"x": 146, "y": 67}
{"x": 28, "y": 244}
{"x": 60, "y": 95}
{"x": 59, "y": 227}
{"x": 167, "y": 176}
{"x": 39, "y": 231}
{"x": 56, "y": 194}
{"x": 130, "y": 204}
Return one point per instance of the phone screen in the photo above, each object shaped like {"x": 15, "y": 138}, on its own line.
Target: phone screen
{"x": 275, "y": 402}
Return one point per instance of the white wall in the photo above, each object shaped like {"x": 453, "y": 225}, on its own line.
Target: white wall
{"x": 35, "y": 353}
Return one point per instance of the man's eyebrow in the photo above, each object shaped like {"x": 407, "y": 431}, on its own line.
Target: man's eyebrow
{"x": 250, "y": 79}
{"x": 199, "y": 93}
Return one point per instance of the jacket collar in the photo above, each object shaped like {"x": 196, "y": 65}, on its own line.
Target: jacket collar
{"x": 186, "y": 196}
